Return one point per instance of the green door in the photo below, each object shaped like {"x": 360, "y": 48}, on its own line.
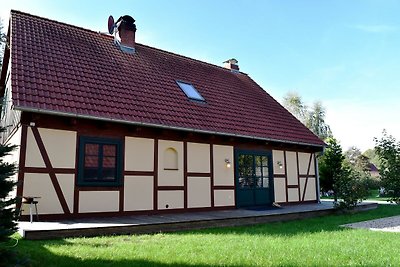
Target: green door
{"x": 253, "y": 178}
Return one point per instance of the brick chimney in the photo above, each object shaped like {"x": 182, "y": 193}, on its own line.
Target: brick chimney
{"x": 232, "y": 64}
{"x": 126, "y": 31}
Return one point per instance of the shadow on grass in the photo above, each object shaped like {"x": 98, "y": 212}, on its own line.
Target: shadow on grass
{"x": 41, "y": 256}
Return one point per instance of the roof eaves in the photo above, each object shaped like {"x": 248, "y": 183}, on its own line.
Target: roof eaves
{"x": 51, "y": 112}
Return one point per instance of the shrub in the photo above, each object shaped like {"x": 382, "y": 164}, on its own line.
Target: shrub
{"x": 351, "y": 188}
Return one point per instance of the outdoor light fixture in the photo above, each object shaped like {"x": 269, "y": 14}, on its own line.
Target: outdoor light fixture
{"x": 228, "y": 163}
{"x": 280, "y": 164}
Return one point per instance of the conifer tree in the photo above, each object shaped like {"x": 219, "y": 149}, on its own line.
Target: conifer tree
{"x": 8, "y": 214}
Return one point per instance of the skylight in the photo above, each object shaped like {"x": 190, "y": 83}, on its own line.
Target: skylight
{"x": 190, "y": 91}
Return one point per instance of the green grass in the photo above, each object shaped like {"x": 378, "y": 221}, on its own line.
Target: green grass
{"x": 311, "y": 242}
{"x": 373, "y": 194}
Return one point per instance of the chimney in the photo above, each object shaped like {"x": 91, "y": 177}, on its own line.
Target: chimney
{"x": 232, "y": 64}
{"x": 126, "y": 30}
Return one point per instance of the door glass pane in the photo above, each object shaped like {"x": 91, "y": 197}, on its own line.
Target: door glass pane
{"x": 265, "y": 182}
{"x": 245, "y": 170}
{"x": 265, "y": 172}
{"x": 259, "y": 181}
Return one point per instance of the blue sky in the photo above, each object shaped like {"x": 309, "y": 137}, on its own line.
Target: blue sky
{"x": 343, "y": 53}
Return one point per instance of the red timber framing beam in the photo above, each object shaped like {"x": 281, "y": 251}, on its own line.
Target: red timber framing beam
{"x": 185, "y": 175}
{"x": 155, "y": 182}
{"x": 308, "y": 175}
{"x": 298, "y": 174}
{"x": 21, "y": 166}
{"x": 286, "y": 178}
{"x": 212, "y": 186}
{"x": 50, "y": 170}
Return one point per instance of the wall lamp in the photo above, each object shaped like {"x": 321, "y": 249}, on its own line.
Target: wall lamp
{"x": 279, "y": 164}
{"x": 228, "y": 163}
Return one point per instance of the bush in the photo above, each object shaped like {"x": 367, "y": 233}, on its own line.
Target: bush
{"x": 351, "y": 188}
{"x": 388, "y": 150}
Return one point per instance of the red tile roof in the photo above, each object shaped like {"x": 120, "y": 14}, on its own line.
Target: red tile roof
{"x": 59, "y": 68}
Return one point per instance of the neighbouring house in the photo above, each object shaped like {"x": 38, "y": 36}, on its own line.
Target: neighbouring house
{"x": 373, "y": 170}
{"x": 108, "y": 126}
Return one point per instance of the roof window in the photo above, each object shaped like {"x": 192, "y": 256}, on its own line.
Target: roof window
{"x": 190, "y": 91}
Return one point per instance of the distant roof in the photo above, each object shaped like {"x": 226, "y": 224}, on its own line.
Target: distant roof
{"x": 67, "y": 70}
{"x": 372, "y": 167}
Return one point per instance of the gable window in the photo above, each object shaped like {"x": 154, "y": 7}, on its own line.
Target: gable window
{"x": 190, "y": 91}
{"x": 100, "y": 162}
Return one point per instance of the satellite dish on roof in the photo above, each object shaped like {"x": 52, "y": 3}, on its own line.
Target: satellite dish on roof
{"x": 111, "y": 24}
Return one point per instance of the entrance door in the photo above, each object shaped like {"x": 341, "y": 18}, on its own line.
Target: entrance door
{"x": 253, "y": 178}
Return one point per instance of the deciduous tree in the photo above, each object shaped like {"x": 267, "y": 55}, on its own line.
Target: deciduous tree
{"x": 388, "y": 150}
{"x": 313, "y": 118}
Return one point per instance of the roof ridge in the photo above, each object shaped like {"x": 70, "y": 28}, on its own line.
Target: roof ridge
{"x": 189, "y": 58}
{"x": 109, "y": 35}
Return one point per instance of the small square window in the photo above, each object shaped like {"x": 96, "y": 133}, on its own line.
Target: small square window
{"x": 99, "y": 162}
{"x": 190, "y": 91}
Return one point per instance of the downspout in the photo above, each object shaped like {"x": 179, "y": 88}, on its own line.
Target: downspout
{"x": 318, "y": 186}
{"x": 317, "y": 154}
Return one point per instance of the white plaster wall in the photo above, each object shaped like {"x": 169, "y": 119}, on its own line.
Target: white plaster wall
{"x": 304, "y": 159}
{"x": 138, "y": 193}
{"x": 67, "y": 184}
{"x": 60, "y": 146}
{"x": 222, "y": 174}
{"x": 170, "y": 177}
{"x": 33, "y": 156}
{"x": 224, "y": 197}
{"x": 199, "y": 192}
{"x": 280, "y": 189}
{"x": 139, "y": 154}
{"x": 312, "y": 167}
{"x": 173, "y": 198}
{"x": 277, "y": 156}
{"x": 291, "y": 161}
{"x": 293, "y": 194}
{"x": 198, "y": 157}
{"x": 98, "y": 201}
{"x": 40, "y": 185}
{"x": 310, "y": 190}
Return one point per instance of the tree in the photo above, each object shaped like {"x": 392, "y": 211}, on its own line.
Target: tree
{"x": 3, "y": 40}
{"x": 8, "y": 214}
{"x": 388, "y": 150}
{"x": 294, "y": 104}
{"x": 359, "y": 161}
{"x": 330, "y": 166}
{"x": 313, "y": 119}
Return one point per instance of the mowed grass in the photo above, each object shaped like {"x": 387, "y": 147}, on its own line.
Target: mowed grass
{"x": 310, "y": 242}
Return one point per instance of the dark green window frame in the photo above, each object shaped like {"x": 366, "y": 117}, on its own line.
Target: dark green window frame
{"x": 100, "y": 179}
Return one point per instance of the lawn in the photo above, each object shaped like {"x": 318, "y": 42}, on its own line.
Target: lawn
{"x": 373, "y": 194}
{"x": 311, "y": 242}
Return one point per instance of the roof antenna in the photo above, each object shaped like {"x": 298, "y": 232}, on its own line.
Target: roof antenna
{"x": 113, "y": 27}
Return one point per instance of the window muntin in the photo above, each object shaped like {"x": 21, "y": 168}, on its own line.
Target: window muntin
{"x": 190, "y": 91}
{"x": 99, "y": 162}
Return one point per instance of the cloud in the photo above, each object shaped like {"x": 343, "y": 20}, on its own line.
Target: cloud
{"x": 378, "y": 28}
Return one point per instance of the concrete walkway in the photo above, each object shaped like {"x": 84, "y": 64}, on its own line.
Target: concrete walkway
{"x": 389, "y": 224}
